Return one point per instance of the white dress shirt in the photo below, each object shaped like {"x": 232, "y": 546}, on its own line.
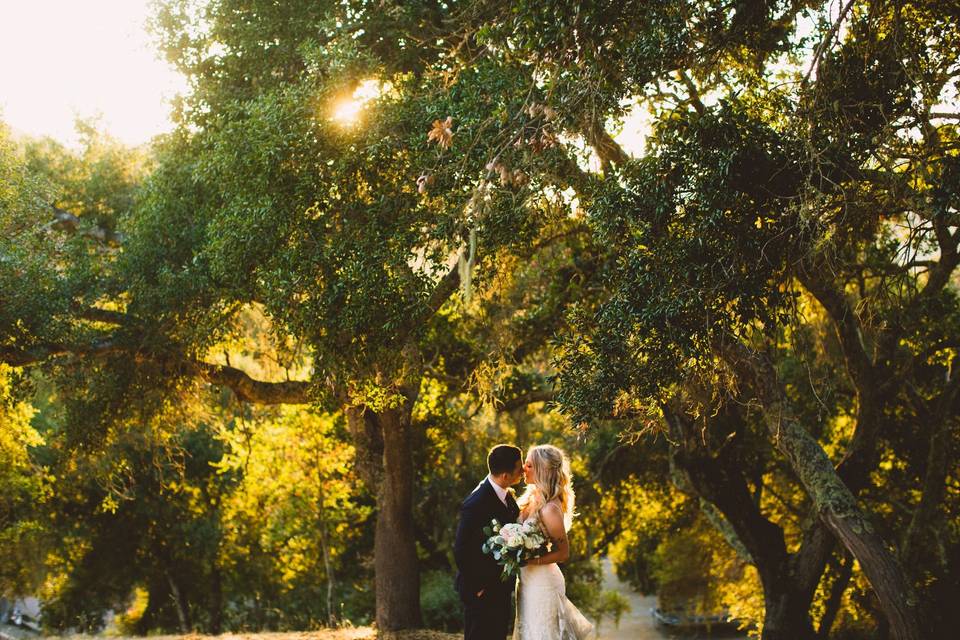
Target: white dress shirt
{"x": 501, "y": 492}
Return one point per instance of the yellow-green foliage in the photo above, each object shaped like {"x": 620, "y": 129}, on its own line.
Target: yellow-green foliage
{"x": 297, "y": 488}
{"x": 698, "y": 572}
{"x": 644, "y": 512}
{"x": 20, "y": 488}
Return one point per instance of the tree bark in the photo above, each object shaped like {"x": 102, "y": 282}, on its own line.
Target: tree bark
{"x": 839, "y": 511}
{"x": 874, "y": 382}
{"x": 179, "y": 605}
{"x": 716, "y": 477}
{"x": 836, "y": 505}
{"x": 384, "y": 460}
{"x": 835, "y": 598}
{"x": 397, "y": 569}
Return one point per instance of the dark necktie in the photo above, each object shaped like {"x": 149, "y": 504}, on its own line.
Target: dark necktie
{"x": 512, "y": 505}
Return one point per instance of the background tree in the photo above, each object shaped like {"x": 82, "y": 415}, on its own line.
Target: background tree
{"x": 755, "y": 219}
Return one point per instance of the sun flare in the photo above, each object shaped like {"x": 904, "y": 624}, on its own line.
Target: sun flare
{"x": 347, "y": 111}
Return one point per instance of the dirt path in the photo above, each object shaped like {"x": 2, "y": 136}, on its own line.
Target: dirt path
{"x": 637, "y": 624}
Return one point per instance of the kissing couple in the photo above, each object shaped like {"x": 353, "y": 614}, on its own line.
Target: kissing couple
{"x": 543, "y": 610}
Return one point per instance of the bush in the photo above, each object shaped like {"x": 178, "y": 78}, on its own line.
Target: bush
{"x": 440, "y": 603}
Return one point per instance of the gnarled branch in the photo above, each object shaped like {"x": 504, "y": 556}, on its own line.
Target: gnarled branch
{"x": 246, "y": 387}
{"x": 251, "y": 390}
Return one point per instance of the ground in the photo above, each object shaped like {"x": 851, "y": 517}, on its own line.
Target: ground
{"x": 351, "y": 633}
{"x": 635, "y": 625}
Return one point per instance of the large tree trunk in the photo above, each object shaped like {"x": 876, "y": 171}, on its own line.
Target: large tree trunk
{"x": 398, "y": 574}
{"x": 384, "y": 455}
{"x": 785, "y": 609}
{"x": 836, "y": 505}
{"x": 839, "y": 511}
{"x": 718, "y": 480}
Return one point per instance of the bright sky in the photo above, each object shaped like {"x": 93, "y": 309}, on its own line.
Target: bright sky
{"x": 60, "y": 59}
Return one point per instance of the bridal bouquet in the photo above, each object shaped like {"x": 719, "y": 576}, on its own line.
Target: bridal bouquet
{"x": 512, "y": 544}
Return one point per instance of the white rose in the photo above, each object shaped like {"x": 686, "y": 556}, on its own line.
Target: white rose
{"x": 512, "y": 535}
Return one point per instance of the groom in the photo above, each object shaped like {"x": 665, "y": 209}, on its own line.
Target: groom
{"x": 486, "y": 599}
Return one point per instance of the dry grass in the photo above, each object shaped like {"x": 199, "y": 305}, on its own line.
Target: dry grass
{"x": 349, "y": 633}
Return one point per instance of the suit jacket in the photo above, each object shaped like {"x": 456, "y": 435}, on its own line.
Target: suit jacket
{"x": 476, "y": 569}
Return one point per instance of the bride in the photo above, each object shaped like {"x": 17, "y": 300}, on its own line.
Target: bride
{"x": 543, "y": 610}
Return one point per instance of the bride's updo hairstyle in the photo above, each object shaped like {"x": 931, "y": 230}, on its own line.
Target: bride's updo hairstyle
{"x": 553, "y": 482}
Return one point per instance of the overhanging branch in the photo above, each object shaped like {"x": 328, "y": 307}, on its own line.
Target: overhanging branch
{"x": 97, "y": 314}
{"x": 34, "y": 354}
{"x": 606, "y": 148}
{"x": 73, "y": 225}
{"x": 441, "y": 293}
{"x": 246, "y": 387}
{"x": 540, "y": 395}
{"x": 251, "y": 390}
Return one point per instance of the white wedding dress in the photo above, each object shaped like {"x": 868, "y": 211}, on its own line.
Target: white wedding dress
{"x": 543, "y": 610}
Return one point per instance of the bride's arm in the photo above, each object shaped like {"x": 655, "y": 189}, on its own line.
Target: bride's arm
{"x": 552, "y": 518}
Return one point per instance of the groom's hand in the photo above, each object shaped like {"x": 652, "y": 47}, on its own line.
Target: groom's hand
{"x": 480, "y": 593}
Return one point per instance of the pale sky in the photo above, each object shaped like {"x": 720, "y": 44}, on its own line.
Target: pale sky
{"x": 60, "y": 59}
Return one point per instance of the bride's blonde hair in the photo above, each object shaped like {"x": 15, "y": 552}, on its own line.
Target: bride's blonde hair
{"x": 553, "y": 482}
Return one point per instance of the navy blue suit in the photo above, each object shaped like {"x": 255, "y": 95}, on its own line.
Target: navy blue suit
{"x": 486, "y": 617}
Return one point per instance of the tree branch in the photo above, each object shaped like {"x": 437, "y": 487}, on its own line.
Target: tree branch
{"x": 835, "y": 504}
{"x": 246, "y": 388}
{"x": 73, "y": 225}
{"x": 251, "y": 390}
{"x": 825, "y": 43}
{"x": 694, "y": 93}
{"x": 844, "y": 319}
{"x": 45, "y": 350}
{"x": 940, "y": 272}
{"x": 607, "y": 149}
{"x": 441, "y": 293}
{"x": 97, "y": 314}
{"x": 541, "y": 395}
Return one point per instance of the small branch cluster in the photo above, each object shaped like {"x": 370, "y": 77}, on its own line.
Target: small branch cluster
{"x": 508, "y": 177}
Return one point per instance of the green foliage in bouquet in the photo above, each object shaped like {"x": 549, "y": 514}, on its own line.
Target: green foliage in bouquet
{"x": 513, "y": 544}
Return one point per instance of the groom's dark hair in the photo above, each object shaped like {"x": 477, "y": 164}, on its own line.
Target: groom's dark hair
{"x": 503, "y": 459}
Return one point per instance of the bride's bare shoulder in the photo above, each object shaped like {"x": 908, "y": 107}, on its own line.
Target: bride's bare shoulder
{"x": 554, "y": 508}
{"x": 554, "y": 504}
{"x": 552, "y": 518}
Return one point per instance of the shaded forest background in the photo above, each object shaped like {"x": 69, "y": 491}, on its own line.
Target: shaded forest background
{"x": 248, "y": 373}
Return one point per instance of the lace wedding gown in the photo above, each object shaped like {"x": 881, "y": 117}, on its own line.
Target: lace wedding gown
{"x": 543, "y": 610}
